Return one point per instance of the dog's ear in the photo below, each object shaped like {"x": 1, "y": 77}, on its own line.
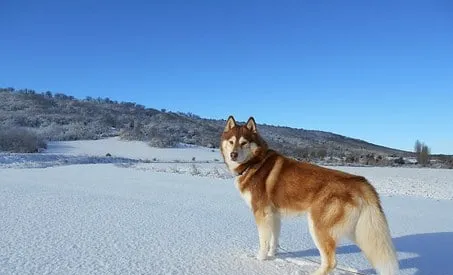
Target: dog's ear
{"x": 251, "y": 124}
{"x": 231, "y": 123}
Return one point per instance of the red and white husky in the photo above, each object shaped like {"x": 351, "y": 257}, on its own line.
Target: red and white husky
{"x": 337, "y": 204}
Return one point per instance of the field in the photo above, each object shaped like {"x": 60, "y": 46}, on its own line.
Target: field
{"x": 142, "y": 210}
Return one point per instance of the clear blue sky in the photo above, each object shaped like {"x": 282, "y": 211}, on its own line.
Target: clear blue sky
{"x": 381, "y": 71}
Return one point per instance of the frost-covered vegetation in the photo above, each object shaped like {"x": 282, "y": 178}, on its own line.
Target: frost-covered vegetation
{"x": 47, "y": 116}
{"x": 20, "y": 140}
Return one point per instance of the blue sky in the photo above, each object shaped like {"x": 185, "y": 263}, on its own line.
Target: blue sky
{"x": 381, "y": 71}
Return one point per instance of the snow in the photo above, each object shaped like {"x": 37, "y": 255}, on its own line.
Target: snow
{"x": 129, "y": 216}
{"x": 132, "y": 149}
{"x": 413, "y": 182}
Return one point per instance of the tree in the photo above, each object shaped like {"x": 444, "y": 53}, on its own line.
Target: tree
{"x": 418, "y": 148}
{"x": 422, "y": 153}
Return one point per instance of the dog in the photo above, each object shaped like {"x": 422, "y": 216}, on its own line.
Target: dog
{"x": 337, "y": 204}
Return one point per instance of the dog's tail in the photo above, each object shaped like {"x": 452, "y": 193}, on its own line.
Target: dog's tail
{"x": 373, "y": 236}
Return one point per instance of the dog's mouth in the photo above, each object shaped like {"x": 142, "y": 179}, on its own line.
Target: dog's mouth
{"x": 238, "y": 160}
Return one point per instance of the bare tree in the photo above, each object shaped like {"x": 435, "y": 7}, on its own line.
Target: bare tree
{"x": 422, "y": 152}
{"x": 418, "y": 148}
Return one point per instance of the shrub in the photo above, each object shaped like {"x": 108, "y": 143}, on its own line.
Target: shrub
{"x": 399, "y": 161}
{"x": 162, "y": 142}
{"x": 194, "y": 171}
{"x": 20, "y": 140}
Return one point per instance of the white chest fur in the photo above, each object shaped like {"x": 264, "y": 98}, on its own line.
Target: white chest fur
{"x": 245, "y": 194}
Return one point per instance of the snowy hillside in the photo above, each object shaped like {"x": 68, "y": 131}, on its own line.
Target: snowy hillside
{"x": 156, "y": 211}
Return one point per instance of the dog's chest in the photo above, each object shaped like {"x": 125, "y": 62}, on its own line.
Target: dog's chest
{"x": 246, "y": 195}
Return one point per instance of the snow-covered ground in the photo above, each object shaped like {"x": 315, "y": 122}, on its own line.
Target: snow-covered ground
{"x": 132, "y": 149}
{"x": 128, "y": 214}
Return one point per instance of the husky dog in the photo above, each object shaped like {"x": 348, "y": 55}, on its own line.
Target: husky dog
{"x": 337, "y": 204}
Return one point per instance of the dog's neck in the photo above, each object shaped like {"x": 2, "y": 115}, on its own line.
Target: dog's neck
{"x": 243, "y": 168}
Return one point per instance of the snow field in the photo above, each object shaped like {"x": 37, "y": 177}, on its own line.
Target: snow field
{"x": 133, "y": 217}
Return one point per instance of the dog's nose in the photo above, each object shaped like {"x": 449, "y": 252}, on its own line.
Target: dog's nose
{"x": 234, "y": 155}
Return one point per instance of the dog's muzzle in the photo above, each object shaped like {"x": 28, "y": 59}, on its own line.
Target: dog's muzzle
{"x": 234, "y": 156}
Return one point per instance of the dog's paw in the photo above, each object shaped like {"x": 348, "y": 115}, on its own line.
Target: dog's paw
{"x": 262, "y": 256}
{"x": 320, "y": 271}
{"x": 271, "y": 253}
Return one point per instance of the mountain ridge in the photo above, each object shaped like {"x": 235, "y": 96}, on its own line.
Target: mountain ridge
{"x": 62, "y": 117}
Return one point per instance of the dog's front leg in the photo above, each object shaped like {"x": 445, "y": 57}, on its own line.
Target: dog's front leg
{"x": 264, "y": 221}
{"x": 276, "y": 227}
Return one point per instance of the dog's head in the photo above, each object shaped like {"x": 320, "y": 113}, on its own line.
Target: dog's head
{"x": 240, "y": 143}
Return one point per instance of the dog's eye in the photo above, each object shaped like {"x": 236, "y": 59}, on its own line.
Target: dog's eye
{"x": 231, "y": 142}
{"x": 244, "y": 143}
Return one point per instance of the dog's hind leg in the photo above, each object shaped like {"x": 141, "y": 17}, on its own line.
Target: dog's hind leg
{"x": 276, "y": 227}
{"x": 326, "y": 245}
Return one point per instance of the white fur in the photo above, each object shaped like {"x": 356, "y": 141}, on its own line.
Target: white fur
{"x": 245, "y": 195}
{"x": 276, "y": 228}
{"x": 347, "y": 227}
{"x": 232, "y": 165}
{"x": 373, "y": 237}
{"x": 323, "y": 268}
{"x": 242, "y": 140}
{"x": 265, "y": 229}
{"x": 245, "y": 153}
{"x": 227, "y": 149}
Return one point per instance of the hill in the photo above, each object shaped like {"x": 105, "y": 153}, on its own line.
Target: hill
{"x": 61, "y": 117}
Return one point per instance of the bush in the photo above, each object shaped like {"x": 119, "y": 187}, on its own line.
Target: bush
{"x": 20, "y": 140}
{"x": 194, "y": 171}
{"x": 322, "y": 153}
{"x": 161, "y": 142}
{"x": 399, "y": 161}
